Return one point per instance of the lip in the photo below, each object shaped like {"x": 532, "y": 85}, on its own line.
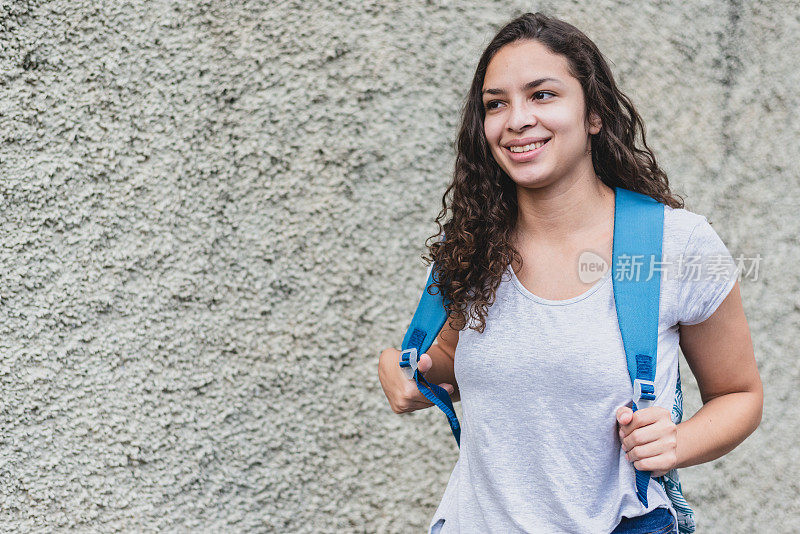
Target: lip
{"x": 524, "y": 141}
{"x": 525, "y": 156}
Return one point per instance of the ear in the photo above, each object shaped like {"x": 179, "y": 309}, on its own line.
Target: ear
{"x": 594, "y": 123}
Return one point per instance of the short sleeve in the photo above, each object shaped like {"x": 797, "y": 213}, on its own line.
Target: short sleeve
{"x": 706, "y": 273}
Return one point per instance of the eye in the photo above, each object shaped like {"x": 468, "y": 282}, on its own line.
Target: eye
{"x": 544, "y": 93}
{"x": 490, "y": 105}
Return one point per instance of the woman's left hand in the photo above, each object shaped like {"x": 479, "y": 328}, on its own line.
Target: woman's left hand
{"x": 650, "y": 438}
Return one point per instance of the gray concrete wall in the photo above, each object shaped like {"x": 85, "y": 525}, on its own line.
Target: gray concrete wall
{"x": 212, "y": 216}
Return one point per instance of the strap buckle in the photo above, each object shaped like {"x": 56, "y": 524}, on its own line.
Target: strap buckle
{"x": 644, "y": 393}
{"x": 409, "y": 359}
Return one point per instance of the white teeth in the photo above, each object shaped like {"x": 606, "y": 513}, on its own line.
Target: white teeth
{"x": 527, "y": 148}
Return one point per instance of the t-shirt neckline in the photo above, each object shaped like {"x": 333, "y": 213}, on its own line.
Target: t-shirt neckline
{"x": 522, "y": 289}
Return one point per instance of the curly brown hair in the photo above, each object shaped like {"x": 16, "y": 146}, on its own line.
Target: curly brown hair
{"x": 475, "y": 247}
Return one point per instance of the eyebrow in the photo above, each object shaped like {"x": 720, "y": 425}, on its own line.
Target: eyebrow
{"x": 526, "y": 87}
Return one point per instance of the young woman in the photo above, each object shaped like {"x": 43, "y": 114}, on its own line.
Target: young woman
{"x": 532, "y": 350}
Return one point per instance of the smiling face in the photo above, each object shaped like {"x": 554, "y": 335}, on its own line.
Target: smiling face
{"x": 520, "y": 111}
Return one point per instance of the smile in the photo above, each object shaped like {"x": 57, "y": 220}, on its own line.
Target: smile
{"x": 527, "y": 148}
{"x": 521, "y": 154}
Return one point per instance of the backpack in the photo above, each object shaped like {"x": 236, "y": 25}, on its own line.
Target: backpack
{"x": 638, "y": 235}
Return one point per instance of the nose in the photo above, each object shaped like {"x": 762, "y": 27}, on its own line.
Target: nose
{"x": 521, "y": 117}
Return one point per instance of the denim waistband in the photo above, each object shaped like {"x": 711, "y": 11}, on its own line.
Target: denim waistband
{"x": 658, "y": 517}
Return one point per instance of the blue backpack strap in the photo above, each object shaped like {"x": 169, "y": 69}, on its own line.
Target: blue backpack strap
{"x": 636, "y": 276}
{"x": 428, "y": 320}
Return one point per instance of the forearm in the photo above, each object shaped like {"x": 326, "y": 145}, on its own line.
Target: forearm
{"x": 718, "y": 427}
{"x": 441, "y": 371}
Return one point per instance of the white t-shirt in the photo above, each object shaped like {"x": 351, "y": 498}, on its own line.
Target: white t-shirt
{"x": 540, "y": 388}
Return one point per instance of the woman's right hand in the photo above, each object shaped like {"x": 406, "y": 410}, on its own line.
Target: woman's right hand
{"x": 403, "y": 394}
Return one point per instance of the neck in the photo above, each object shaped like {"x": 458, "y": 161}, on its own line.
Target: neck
{"x": 565, "y": 210}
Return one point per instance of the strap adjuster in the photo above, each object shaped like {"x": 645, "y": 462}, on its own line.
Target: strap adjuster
{"x": 644, "y": 390}
{"x": 409, "y": 358}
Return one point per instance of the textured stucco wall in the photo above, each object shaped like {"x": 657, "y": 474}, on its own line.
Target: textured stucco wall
{"x": 212, "y": 216}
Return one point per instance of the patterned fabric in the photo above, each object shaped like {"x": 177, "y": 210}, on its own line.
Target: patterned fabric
{"x": 671, "y": 482}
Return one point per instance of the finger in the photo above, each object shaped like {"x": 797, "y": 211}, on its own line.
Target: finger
{"x": 425, "y": 363}
{"x": 418, "y": 395}
{"x": 624, "y": 415}
{"x": 641, "y": 436}
{"x": 413, "y": 399}
{"x": 644, "y": 417}
{"x": 448, "y": 388}
{"x": 413, "y": 394}
{"x": 657, "y": 465}
{"x": 648, "y": 450}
